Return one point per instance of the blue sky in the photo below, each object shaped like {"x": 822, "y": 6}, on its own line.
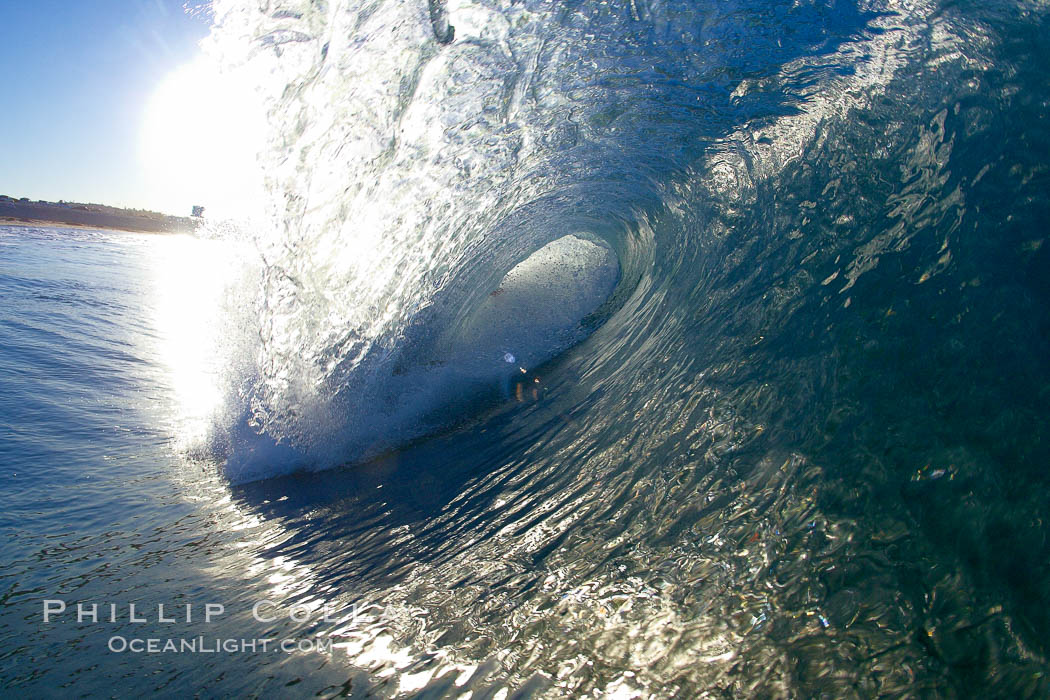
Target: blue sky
{"x": 76, "y": 78}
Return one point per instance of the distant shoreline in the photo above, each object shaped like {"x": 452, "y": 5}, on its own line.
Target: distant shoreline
{"x": 72, "y": 215}
{"x": 30, "y": 223}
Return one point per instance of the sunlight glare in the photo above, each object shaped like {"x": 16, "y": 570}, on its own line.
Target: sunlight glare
{"x": 200, "y": 136}
{"x": 191, "y": 276}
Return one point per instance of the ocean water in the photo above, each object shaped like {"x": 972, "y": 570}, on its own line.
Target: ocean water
{"x": 586, "y": 349}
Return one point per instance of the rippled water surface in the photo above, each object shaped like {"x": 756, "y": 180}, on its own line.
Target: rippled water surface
{"x": 800, "y": 451}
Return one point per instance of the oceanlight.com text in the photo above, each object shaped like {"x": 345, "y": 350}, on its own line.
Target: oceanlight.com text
{"x": 204, "y": 645}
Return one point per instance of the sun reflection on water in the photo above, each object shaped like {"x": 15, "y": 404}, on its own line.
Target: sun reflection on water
{"x": 192, "y": 277}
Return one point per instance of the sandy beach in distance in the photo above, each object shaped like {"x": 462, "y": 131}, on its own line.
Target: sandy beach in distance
{"x": 29, "y": 223}
{"x": 93, "y": 216}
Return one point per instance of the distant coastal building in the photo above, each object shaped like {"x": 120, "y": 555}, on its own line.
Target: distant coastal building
{"x": 198, "y": 212}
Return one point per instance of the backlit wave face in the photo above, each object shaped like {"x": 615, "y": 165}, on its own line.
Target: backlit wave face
{"x": 753, "y": 469}
{"x": 407, "y": 175}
